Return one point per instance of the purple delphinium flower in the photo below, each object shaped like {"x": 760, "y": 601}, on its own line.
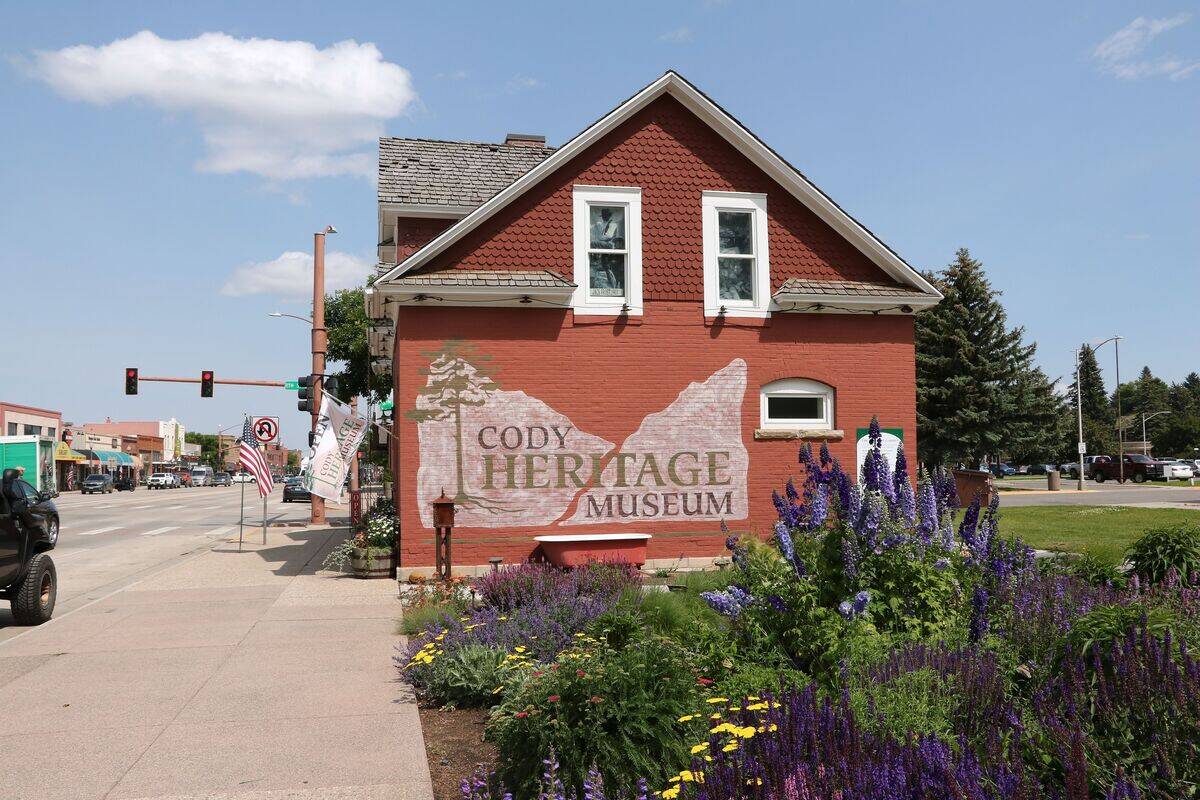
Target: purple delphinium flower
{"x": 942, "y": 563}
{"x": 783, "y": 540}
{"x": 790, "y": 489}
{"x": 722, "y": 603}
{"x": 846, "y": 609}
{"x": 861, "y": 600}
{"x": 901, "y": 472}
{"x": 818, "y": 510}
{"x": 874, "y": 434}
{"x": 806, "y": 456}
{"x": 927, "y": 513}
{"x": 841, "y": 482}
{"x": 907, "y": 503}
{"x": 849, "y": 556}
{"x": 776, "y": 602}
{"x": 970, "y": 523}
{"x": 826, "y": 459}
{"x": 871, "y": 519}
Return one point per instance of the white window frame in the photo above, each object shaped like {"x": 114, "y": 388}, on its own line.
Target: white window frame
{"x": 713, "y": 203}
{"x": 797, "y": 387}
{"x": 583, "y": 198}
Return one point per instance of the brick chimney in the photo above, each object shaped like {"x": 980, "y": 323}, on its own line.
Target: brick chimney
{"x": 524, "y": 140}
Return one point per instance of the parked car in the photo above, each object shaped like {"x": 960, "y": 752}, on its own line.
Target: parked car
{"x": 28, "y": 579}
{"x": 244, "y": 477}
{"x": 125, "y": 483}
{"x": 294, "y": 491}
{"x": 1178, "y": 469}
{"x": 161, "y": 480}
{"x": 1133, "y": 466}
{"x": 100, "y": 483}
{"x": 1071, "y": 469}
{"x": 222, "y": 479}
{"x": 1002, "y": 470}
{"x": 1040, "y": 469}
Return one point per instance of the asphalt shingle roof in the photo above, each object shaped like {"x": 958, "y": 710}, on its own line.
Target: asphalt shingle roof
{"x": 839, "y": 288}
{"x": 430, "y": 172}
{"x": 524, "y": 279}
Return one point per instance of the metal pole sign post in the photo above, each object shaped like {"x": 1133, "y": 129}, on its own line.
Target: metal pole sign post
{"x": 264, "y": 519}
{"x": 241, "y": 516}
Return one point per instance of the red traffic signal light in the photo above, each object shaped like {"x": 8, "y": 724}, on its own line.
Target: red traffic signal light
{"x": 131, "y": 380}
{"x": 206, "y": 383}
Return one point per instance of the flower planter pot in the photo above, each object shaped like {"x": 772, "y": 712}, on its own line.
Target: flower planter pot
{"x": 575, "y": 550}
{"x": 371, "y": 562}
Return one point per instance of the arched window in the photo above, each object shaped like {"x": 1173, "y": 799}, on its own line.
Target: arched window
{"x": 797, "y": 403}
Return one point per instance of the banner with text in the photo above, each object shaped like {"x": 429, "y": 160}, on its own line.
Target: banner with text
{"x": 338, "y": 435}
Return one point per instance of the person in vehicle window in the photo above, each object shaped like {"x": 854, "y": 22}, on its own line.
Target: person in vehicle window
{"x": 15, "y": 497}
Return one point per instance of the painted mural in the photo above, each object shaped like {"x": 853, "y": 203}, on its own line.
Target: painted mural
{"x": 509, "y": 459}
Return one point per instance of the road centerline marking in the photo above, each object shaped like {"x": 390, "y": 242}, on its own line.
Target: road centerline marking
{"x": 99, "y": 530}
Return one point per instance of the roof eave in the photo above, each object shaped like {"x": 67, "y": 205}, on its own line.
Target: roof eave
{"x": 854, "y": 302}
{"x": 729, "y": 128}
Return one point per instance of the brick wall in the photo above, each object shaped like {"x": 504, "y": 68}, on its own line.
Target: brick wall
{"x": 673, "y": 157}
{"x": 607, "y": 377}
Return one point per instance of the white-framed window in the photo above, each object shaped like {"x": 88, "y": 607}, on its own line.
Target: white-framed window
{"x": 796, "y": 403}
{"x": 608, "y": 250}
{"x": 737, "y": 267}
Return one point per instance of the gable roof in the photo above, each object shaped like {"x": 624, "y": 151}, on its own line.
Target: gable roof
{"x": 429, "y": 172}
{"x": 731, "y": 130}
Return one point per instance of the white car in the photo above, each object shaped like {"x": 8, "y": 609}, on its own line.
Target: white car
{"x": 244, "y": 477}
{"x": 1180, "y": 470}
{"x": 162, "y": 480}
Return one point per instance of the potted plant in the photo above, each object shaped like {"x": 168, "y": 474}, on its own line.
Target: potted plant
{"x": 370, "y": 551}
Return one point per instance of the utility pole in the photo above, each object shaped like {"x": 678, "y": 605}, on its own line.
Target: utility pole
{"x": 1120, "y": 427}
{"x": 1145, "y": 442}
{"x": 319, "y": 344}
{"x": 1079, "y": 414}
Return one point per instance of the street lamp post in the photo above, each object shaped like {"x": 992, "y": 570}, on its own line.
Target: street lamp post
{"x": 1079, "y": 415}
{"x": 1116, "y": 340}
{"x": 1145, "y": 416}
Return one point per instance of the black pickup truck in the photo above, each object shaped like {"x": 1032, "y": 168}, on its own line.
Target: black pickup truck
{"x": 28, "y": 530}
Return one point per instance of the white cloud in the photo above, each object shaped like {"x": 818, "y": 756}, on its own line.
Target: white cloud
{"x": 289, "y": 277}
{"x": 521, "y": 82}
{"x": 282, "y": 110}
{"x": 677, "y": 36}
{"x": 1124, "y": 53}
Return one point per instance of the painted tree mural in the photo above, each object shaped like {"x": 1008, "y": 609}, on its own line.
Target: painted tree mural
{"x": 458, "y": 377}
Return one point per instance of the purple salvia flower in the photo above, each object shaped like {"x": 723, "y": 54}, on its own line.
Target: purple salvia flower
{"x": 979, "y": 615}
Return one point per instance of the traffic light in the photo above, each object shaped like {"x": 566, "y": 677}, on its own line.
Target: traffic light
{"x": 131, "y": 378}
{"x": 206, "y": 383}
{"x": 305, "y": 393}
{"x": 330, "y": 386}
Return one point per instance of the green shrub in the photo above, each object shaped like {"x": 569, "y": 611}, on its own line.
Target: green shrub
{"x": 752, "y": 679}
{"x": 1095, "y": 632}
{"x": 614, "y": 709}
{"x": 919, "y": 702}
{"x": 420, "y": 617}
{"x": 1086, "y": 567}
{"x": 465, "y": 677}
{"x": 1161, "y": 549}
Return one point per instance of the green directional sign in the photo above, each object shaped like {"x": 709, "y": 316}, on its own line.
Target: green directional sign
{"x": 291, "y": 386}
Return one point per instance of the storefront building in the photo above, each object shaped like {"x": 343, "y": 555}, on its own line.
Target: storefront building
{"x": 632, "y": 333}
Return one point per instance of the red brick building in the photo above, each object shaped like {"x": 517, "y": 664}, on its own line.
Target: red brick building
{"x": 630, "y": 333}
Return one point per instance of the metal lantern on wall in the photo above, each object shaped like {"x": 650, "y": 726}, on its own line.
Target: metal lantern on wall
{"x": 443, "y": 511}
{"x": 443, "y": 524}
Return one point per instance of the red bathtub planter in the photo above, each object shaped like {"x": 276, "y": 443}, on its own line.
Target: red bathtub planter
{"x": 574, "y": 550}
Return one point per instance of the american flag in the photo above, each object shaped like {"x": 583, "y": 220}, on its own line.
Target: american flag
{"x": 252, "y": 460}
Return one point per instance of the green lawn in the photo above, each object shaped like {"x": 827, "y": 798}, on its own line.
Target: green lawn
{"x": 1103, "y": 531}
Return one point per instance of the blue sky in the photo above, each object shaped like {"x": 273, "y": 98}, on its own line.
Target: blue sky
{"x": 1057, "y": 141}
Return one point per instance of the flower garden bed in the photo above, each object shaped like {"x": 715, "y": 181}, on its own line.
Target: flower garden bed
{"x": 882, "y": 644}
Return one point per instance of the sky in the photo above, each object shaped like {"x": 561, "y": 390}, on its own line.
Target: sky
{"x": 167, "y": 164}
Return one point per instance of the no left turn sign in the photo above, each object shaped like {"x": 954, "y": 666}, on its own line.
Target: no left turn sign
{"x": 266, "y": 429}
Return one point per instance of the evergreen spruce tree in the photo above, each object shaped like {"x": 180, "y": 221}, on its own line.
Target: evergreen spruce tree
{"x": 978, "y": 392}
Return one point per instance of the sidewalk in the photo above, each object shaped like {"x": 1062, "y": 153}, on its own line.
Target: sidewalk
{"x": 248, "y": 676}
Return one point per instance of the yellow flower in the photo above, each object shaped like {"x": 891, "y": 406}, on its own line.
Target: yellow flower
{"x": 498, "y": 690}
{"x": 717, "y": 700}
{"x": 519, "y": 648}
{"x": 757, "y": 707}
{"x": 686, "y": 776}
{"x": 714, "y": 716}
{"x": 729, "y": 748}
{"x": 743, "y": 733}
{"x": 670, "y": 794}
{"x": 752, "y": 697}
{"x": 698, "y": 748}
{"x": 503, "y": 618}
{"x": 687, "y": 718}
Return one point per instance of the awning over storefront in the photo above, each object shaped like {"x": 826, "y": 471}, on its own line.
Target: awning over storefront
{"x": 110, "y": 457}
{"x": 64, "y": 453}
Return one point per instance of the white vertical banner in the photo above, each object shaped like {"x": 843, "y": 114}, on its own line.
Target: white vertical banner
{"x": 338, "y": 435}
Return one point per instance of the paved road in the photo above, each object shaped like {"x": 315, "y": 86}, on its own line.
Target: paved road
{"x": 108, "y": 541}
{"x": 1097, "y": 494}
